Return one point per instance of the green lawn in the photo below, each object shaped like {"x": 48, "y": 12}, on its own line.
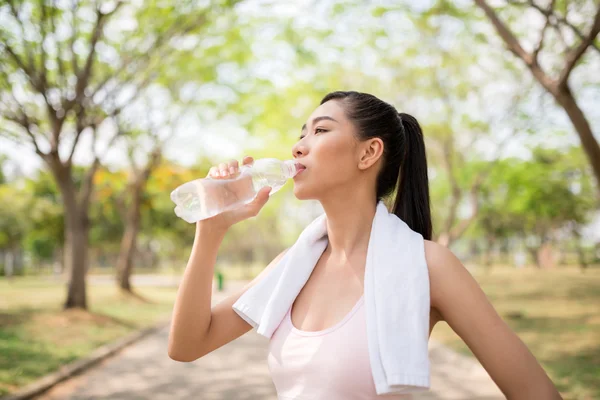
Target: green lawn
{"x": 557, "y": 314}
{"x": 37, "y": 337}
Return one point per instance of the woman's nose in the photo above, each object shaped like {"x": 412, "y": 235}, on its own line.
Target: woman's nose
{"x": 298, "y": 150}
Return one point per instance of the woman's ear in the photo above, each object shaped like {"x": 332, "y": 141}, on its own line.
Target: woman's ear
{"x": 371, "y": 151}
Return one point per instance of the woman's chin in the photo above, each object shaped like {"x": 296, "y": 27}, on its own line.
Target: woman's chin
{"x": 301, "y": 194}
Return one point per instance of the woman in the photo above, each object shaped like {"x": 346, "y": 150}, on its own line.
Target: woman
{"x": 355, "y": 148}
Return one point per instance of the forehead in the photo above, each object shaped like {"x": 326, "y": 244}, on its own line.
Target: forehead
{"x": 331, "y": 109}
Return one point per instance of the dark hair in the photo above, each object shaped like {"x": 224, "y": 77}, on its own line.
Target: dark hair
{"x": 404, "y": 158}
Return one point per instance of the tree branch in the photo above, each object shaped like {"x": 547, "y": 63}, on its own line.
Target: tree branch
{"x": 16, "y": 14}
{"x": 138, "y": 90}
{"x": 74, "y": 63}
{"x": 154, "y": 160}
{"x": 84, "y": 76}
{"x": 144, "y": 59}
{"x": 23, "y": 121}
{"x": 509, "y": 38}
{"x": 540, "y": 44}
{"x": 514, "y": 46}
{"x": 29, "y": 73}
{"x": 560, "y": 35}
{"x": 462, "y": 226}
{"x": 80, "y": 127}
{"x": 88, "y": 185}
{"x": 62, "y": 71}
{"x": 120, "y": 203}
{"x": 455, "y": 192}
{"x": 575, "y": 54}
{"x": 41, "y": 73}
{"x": 111, "y": 142}
{"x": 559, "y": 18}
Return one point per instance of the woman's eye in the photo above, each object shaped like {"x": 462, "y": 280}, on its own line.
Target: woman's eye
{"x": 318, "y": 130}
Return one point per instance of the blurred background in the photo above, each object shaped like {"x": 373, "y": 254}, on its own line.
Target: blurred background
{"x": 107, "y": 106}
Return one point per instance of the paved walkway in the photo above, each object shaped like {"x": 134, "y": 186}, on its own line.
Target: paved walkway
{"x": 237, "y": 371}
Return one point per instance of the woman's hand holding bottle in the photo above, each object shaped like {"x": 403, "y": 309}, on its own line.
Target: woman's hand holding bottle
{"x": 226, "y": 219}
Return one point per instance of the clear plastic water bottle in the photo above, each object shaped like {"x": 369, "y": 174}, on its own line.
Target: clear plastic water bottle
{"x": 203, "y": 198}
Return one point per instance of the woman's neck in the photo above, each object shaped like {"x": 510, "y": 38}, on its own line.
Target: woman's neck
{"x": 349, "y": 222}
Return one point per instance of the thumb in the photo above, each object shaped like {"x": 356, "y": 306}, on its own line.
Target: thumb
{"x": 261, "y": 198}
{"x": 263, "y": 195}
{"x": 264, "y": 192}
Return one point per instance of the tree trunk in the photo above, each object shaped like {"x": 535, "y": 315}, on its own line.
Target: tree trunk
{"x": 75, "y": 250}
{"x": 9, "y": 264}
{"x": 75, "y": 258}
{"x": 565, "y": 98}
{"x": 534, "y": 251}
{"x": 580, "y": 250}
{"x": 558, "y": 88}
{"x": 581, "y": 257}
{"x": 489, "y": 253}
{"x": 128, "y": 245}
{"x": 132, "y": 221}
{"x": 451, "y": 231}
{"x": 547, "y": 258}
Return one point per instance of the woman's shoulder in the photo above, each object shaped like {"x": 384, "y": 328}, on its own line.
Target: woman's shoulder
{"x": 445, "y": 269}
{"x": 440, "y": 259}
{"x": 435, "y": 252}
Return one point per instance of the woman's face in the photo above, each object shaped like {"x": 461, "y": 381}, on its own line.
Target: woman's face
{"x": 329, "y": 151}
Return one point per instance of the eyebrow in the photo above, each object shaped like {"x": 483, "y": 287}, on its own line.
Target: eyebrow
{"x": 317, "y": 119}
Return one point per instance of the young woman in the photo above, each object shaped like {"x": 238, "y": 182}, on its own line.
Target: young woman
{"x": 356, "y": 149}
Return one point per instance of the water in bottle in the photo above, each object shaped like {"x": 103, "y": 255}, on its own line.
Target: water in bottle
{"x": 204, "y": 198}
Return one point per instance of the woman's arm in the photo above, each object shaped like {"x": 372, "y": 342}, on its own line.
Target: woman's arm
{"x": 192, "y": 309}
{"x": 464, "y": 306}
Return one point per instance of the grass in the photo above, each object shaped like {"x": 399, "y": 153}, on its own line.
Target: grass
{"x": 37, "y": 336}
{"x": 557, "y": 314}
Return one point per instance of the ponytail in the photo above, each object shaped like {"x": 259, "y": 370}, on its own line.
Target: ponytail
{"x": 405, "y": 165}
{"x": 412, "y": 199}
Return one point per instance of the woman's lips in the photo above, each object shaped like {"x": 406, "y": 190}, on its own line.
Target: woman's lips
{"x": 300, "y": 169}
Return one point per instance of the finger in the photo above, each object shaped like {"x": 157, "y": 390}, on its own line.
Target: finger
{"x": 233, "y": 167}
{"x": 213, "y": 172}
{"x": 223, "y": 170}
{"x": 247, "y": 160}
{"x": 259, "y": 201}
{"x": 263, "y": 195}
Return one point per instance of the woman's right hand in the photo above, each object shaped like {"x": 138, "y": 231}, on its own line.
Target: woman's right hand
{"x": 228, "y": 218}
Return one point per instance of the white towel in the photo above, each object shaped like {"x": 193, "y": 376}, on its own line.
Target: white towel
{"x": 396, "y": 291}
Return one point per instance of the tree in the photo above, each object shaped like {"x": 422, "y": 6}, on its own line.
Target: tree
{"x": 45, "y": 236}
{"x": 13, "y": 226}
{"x": 465, "y": 132}
{"x": 3, "y": 159}
{"x": 135, "y": 190}
{"x": 557, "y": 17}
{"x": 535, "y": 199}
{"x": 57, "y": 87}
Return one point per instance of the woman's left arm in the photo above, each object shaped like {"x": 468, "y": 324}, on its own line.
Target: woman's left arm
{"x": 464, "y": 306}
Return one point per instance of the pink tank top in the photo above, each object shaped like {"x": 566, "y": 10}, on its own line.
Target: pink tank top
{"x": 331, "y": 364}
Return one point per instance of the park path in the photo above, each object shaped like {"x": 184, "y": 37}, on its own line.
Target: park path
{"x": 237, "y": 371}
